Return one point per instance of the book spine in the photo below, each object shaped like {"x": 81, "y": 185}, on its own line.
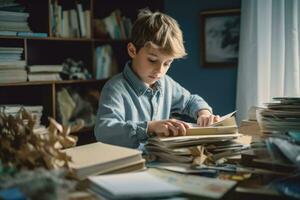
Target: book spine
{"x": 8, "y": 33}
{"x": 81, "y": 20}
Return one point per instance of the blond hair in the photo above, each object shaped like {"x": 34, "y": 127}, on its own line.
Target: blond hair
{"x": 158, "y": 30}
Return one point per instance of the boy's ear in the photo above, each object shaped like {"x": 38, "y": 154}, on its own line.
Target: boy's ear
{"x": 131, "y": 50}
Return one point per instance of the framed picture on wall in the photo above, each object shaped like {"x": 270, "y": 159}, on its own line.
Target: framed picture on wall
{"x": 220, "y": 30}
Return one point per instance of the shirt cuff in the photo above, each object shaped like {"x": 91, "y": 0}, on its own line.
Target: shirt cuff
{"x": 140, "y": 130}
{"x": 200, "y": 106}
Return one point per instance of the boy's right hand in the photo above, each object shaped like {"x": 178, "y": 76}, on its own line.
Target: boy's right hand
{"x": 167, "y": 128}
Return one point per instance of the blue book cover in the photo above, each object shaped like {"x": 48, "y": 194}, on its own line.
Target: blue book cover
{"x": 30, "y": 34}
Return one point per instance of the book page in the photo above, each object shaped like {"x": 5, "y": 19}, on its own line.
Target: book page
{"x": 222, "y": 119}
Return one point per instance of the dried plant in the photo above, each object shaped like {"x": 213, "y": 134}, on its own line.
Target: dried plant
{"x": 21, "y": 148}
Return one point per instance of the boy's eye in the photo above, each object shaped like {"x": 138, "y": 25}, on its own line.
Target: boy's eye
{"x": 151, "y": 60}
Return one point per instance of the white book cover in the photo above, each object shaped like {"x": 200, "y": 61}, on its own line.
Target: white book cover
{"x": 17, "y": 63}
{"x": 44, "y": 77}
{"x": 74, "y": 26}
{"x": 45, "y": 68}
{"x": 132, "y": 185}
{"x": 87, "y": 18}
{"x": 66, "y": 24}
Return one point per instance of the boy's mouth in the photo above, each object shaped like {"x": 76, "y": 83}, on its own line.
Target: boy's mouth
{"x": 154, "y": 77}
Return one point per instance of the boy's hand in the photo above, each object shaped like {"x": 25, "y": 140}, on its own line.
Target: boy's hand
{"x": 206, "y": 118}
{"x": 167, "y": 128}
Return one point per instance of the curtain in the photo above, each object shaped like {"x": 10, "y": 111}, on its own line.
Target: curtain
{"x": 269, "y": 52}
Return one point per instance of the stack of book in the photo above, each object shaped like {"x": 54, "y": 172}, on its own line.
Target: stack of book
{"x": 100, "y": 158}
{"x": 44, "y": 72}
{"x": 14, "y": 20}
{"x": 12, "y": 68}
{"x": 200, "y": 144}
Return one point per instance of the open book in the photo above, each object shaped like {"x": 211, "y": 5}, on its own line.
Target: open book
{"x": 226, "y": 125}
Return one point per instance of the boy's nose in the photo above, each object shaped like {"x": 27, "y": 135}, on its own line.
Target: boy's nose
{"x": 159, "y": 68}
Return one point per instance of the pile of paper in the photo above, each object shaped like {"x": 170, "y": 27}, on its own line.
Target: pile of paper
{"x": 202, "y": 144}
{"x": 280, "y": 116}
{"x": 280, "y": 150}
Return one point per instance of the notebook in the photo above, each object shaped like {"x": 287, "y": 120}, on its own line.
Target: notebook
{"x": 131, "y": 186}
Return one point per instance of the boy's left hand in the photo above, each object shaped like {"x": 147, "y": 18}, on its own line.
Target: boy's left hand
{"x": 206, "y": 118}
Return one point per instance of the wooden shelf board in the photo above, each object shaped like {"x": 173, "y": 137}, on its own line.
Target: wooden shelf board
{"x": 28, "y": 83}
{"x": 66, "y": 39}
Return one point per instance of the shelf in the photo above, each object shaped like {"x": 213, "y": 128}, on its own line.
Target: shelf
{"x": 92, "y": 81}
{"x": 53, "y": 82}
{"x": 104, "y": 40}
{"x": 52, "y": 50}
{"x": 110, "y": 40}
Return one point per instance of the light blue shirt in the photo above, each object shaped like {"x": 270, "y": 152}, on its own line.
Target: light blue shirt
{"x": 127, "y": 104}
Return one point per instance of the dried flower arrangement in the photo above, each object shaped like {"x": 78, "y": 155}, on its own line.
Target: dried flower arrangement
{"x": 21, "y": 148}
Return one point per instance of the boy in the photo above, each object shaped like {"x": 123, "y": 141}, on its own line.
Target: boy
{"x": 138, "y": 103}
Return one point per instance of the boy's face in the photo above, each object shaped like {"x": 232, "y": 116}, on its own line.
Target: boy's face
{"x": 149, "y": 63}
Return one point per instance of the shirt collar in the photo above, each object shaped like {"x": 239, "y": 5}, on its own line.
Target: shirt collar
{"x": 136, "y": 83}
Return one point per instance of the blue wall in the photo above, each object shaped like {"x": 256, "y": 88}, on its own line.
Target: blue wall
{"x": 216, "y": 85}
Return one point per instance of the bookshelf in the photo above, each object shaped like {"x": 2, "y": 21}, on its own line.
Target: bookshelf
{"x": 54, "y": 49}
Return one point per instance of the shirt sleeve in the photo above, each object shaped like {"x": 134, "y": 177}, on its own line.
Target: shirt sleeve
{"x": 183, "y": 102}
{"x": 111, "y": 126}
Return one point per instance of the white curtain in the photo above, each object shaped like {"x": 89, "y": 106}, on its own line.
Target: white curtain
{"x": 269, "y": 52}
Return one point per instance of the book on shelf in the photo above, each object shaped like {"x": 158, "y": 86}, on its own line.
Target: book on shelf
{"x": 44, "y": 77}
{"x": 101, "y": 158}
{"x": 71, "y": 22}
{"x": 32, "y": 34}
{"x": 12, "y": 64}
{"x": 13, "y": 75}
{"x": 81, "y": 20}
{"x": 10, "y": 16}
{"x": 116, "y": 25}
{"x": 74, "y": 26}
{"x": 8, "y": 33}
{"x": 17, "y": 50}
{"x": 65, "y": 24}
{"x": 12, "y": 6}
{"x": 132, "y": 186}
{"x": 14, "y": 26}
{"x": 87, "y": 16}
{"x": 45, "y": 68}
